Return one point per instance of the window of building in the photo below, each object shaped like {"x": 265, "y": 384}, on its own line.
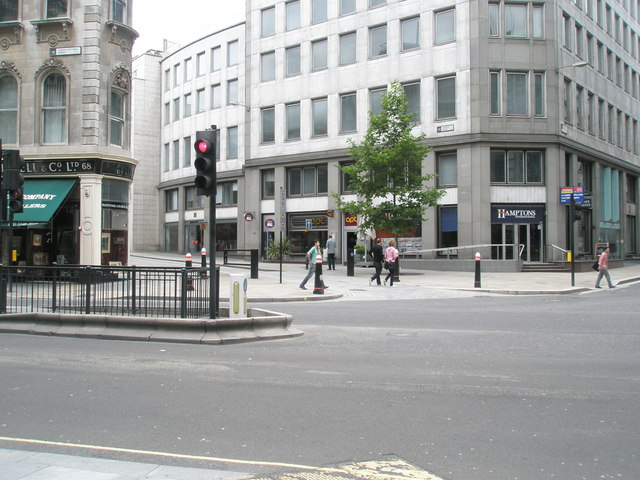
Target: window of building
{"x": 119, "y": 10}
{"x": 591, "y": 113}
{"x": 410, "y": 30}
{"x": 375, "y": 99}
{"x": 268, "y": 21}
{"x": 293, "y": 15}
{"x": 200, "y": 101}
{"x": 117, "y": 117}
{"x": 446, "y": 101}
{"x": 188, "y": 69}
{"x": 347, "y": 48}
{"x": 293, "y": 60}
{"x": 171, "y": 200}
{"x": 412, "y": 92}
{"x": 447, "y": 169}
{"x": 9, "y": 10}
{"x": 517, "y": 93}
{"x": 232, "y": 92}
{"x": 376, "y": 3}
{"x": 167, "y": 80}
{"x": 537, "y": 30}
{"x": 227, "y": 194}
{"x": 8, "y": 109}
{"x": 216, "y": 96}
{"x": 567, "y": 108}
{"x": 566, "y": 31}
{"x": 494, "y": 19}
{"x": 516, "y": 166}
{"x": 579, "y": 41}
{"x": 268, "y": 124}
{"x": 176, "y": 109}
{"x": 187, "y": 105}
{"x": 318, "y": 11}
{"x": 591, "y": 59}
{"x": 347, "y": 7}
{"x": 348, "y": 112}
{"x": 320, "y": 118}
{"x": 445, "y": 28}
{"x": 193, "y": 201}
{"x": 307, "y": 180}
{"x": 515, "y": 20}
{"x": 216, "y": 58}
{"x": 177, "y": 77}
{"x": 268, "y": 66}
{"x": 293, "y": 121}
{"x": 345, "y": 180}
{"x": 186, "y": 151}
{"x": 200, "y": 64}
{"x": 175, "y": 164}
{"x": 232, "y": 53}
{"x": 447, "y": 227}
{"x": 58, "y": 8}
{"x": 54, "y": 109}
{"x": 611, "y": 124}
{"x": 602, "y": 122}
{"x": 167, "y": 113}
{"x": 377, "y": 41}
{"x": 268, "y": 183}
{"x": 580, "y": 107}
{"x": 494, "y": 93}
{"x": 539, "y": 94}
{"x": 232, "y": 142}
{"x": 319, "y": 54}
{"x": 601, "y": 62}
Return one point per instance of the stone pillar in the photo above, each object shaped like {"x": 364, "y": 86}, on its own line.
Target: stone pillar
{"x": 90, "y": 219}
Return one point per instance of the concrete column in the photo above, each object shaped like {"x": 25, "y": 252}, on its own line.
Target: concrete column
{"x": 90, "y": 219}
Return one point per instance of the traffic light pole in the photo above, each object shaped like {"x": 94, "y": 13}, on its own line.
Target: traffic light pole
{"x": 213, "y": 277}
{"x": 572, "y": 240}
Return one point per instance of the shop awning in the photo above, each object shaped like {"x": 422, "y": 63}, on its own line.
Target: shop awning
{"x": 42, "y": 199}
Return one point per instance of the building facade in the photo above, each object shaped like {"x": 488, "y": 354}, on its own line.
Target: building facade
{"x": 518, "y": 101}
{"x": 65, "y": 84}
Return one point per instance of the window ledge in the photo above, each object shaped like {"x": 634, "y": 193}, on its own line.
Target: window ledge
{"x": 126, "y": 29}
{"x": 59, "y": 26}
{"x": 11, "y": 26}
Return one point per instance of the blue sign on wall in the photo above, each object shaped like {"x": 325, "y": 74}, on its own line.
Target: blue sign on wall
{"x": 517, "y": 213}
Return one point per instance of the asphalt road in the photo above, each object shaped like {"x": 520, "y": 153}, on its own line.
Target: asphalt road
{"x": 486, "y": 388}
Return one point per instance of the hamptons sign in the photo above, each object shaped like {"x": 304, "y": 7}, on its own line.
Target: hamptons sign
{"x": 517, "y": 213}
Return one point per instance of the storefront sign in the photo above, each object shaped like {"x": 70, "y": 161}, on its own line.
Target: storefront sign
{"x": 576, "y": 192}
{"x": 299, "y": 222}
{"x": 350, "y": 220}
{"x": 112, "y": 168}
{"x": 517, "y": 213}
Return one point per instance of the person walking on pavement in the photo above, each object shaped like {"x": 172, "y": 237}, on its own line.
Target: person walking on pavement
{"x": 390, "y": 257}
{"x": 331, "y": 252}
{"x": 378, "y": 258}
{"x": 603, "y": 268}
{"x": 311, "y": 260}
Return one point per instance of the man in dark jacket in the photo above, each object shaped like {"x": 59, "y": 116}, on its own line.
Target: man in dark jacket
{"x": 376, "y": 253}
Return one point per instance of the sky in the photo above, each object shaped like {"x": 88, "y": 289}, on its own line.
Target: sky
{"x": 156, "y": 20}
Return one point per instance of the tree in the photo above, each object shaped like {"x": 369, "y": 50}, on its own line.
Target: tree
{"x": 386, "y": 173}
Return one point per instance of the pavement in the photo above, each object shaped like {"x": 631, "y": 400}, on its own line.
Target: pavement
{"x": 276, "y": 284}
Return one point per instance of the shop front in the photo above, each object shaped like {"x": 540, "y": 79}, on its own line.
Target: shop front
{"x": 305, "y": 229}
{"x": 517, "y": 231}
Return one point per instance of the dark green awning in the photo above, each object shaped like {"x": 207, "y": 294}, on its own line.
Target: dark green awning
{"x": 42, "y": 199}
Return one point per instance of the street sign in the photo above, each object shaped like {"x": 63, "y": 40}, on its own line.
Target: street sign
{"x": 308, "y": 224}
{"x": 269, "y": 223}
{"x": 576, "y": 192}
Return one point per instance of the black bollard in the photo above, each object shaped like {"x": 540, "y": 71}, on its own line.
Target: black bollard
{"x": 477, "y": 283}
{"x": 318, "y": 286}
{"x": 351, "y": 262}
{"x": 188, "y": 264}
{"x": 203, "y": 265}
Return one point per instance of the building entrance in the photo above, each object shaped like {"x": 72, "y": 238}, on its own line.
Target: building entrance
{"x": 520, "y": 240}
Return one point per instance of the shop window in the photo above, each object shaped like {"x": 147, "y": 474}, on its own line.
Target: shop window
{"x": 227, "y": 194}
{"x": 447, "y": 169}
{"x": 448, "y": 227}
{"x": 54, "y": 109}
{"x": 268, "y": 183}
{"x": 517, "y": 166}
{"x": 8, "y": 109}
{"x": 307, "y": 181}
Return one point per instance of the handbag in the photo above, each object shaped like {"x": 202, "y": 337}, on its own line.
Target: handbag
{"x": 388, "y": 265}
{"x": 595, "y": 265}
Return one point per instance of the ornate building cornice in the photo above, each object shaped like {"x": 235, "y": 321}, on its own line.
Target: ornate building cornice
{"x": 10, "y": 67}
{"x": 52, "y": 63}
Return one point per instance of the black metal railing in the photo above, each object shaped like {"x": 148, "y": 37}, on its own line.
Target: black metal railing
{"x": 242, "y": 258}
{"x": 101, "y": 290}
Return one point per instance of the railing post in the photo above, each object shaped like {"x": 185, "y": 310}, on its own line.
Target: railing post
{"x": 134, "y": 291}
{"x": 183, "y": 293}
{"x": 254, "y": 263}
{"x": 3, "y": 289}
{"x": 54, "y": 288}
{"x": 87, "y": 295}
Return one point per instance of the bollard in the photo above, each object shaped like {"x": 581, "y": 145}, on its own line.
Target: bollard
{"x": 188, "y": 265}
{"x": 350, "y": 263}
{"x": 318, "y": 286}
{"x": 203, "y": 272}
{"x": 477, "y": 283}
{"x": 254, "y": 263}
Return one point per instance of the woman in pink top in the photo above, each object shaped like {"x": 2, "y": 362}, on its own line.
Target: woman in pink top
{"x": 603, "y": 268}
{"x": 390, "y": 257}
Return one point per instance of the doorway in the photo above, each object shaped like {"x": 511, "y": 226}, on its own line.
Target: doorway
{"x": 516, "y": 238}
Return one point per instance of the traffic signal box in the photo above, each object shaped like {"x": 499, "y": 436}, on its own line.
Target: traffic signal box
{"x": 205, "y": 162}
{"x": 12, "y": 179}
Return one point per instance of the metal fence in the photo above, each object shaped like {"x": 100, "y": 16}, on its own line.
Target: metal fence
{"x": 132, "y": 291}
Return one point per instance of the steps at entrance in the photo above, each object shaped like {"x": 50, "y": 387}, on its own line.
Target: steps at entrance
{"x": 542, "y": 267}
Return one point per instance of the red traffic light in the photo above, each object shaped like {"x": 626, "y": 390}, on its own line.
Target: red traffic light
{"x": 203, "y": 146}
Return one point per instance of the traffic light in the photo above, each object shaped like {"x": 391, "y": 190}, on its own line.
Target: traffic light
{"x": 205, "y": 162}
{"x": 16, "y": 200}
{"x": 12, "y": 177}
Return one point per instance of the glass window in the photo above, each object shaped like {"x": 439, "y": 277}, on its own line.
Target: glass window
{"x": 539, "y": 96}
{"x": 412, "y": 92}
{"x": 346, "y": 180}
{"x": 294, "y": 181}
{"x": 498, "y": 169}
{"x": 534, "y": 167}
{"x": 567, "y": 101}
{"x": 167, "y": 113}
{"x": 580, "y": 107}
{"x": 227, "y": 194}
{"x": 410, "y": 33}
{"x": 200, "y": 64}
{"x": 319, "y": 112}
{"x": 268, "y": 125}
{"x": 216, "y": 59}
{"x": 8, "y": 109}
{"x": 347, "y": 6}
{"x": 58, "y": 8}
{"x": 186, "y": 151}
{"x": 216, "y": 96}
{"x": 494, "y": 19}
{"x": 494, "y": 86}
{"x": 377, "y": 41}
{"x": 293, "y": 14}
{"x": 446, "y": 97}
{"x": 165, "y": 165}
{"x": 318, "y": 11}
{"x": 376, "y": 3}
{"x": 167, "y": 80}
{"x": 188, "y": 69}
{"x": 293, "y": 60}
{"x": 232, "y": 92}
{"x": 187, "y": 105}
{"x": 347, "y": 48}
{"x": 232, "y": 53}
{"x": 117, "y": 113}
{"x": 293, "y": 121}
{"x": 177, "y": 78}
{"x": 176, "y": 155}
{"x": 447, "y": 169}
{"x": 517, "y": 98}
{"x": 193, "y": 201}
{"x": 200, "y": 106}
{"x": 232, "y": 142}
{"x": 515, "y": 166}
{"x": 307, "y": 180}
{"x": 176, "y": 109}
{"x": 566, "y": 31}
{"x": 538, "y": 21}
{"x": 579, "y": 41}
{"x": 445, "y": 26}
{"x": 119, "y": 10}
{"x": 268, "y": 66}
{"x": 447, "y": 227}
{"x": 348, "y": 113}
{"x": 171, "y": 200}
{"x": 9, "y": 10}
{"x": 268, "y": 17}
{"x": 54, "y": 109}
{"x": 515, "y": 20}
{"x": 268, "y": 183}
{"x": 319, "y": 54}
{"x": 375, "y": 100}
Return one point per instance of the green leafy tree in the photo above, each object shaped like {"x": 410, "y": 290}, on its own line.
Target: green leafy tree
{"x": 386, "y": 173}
